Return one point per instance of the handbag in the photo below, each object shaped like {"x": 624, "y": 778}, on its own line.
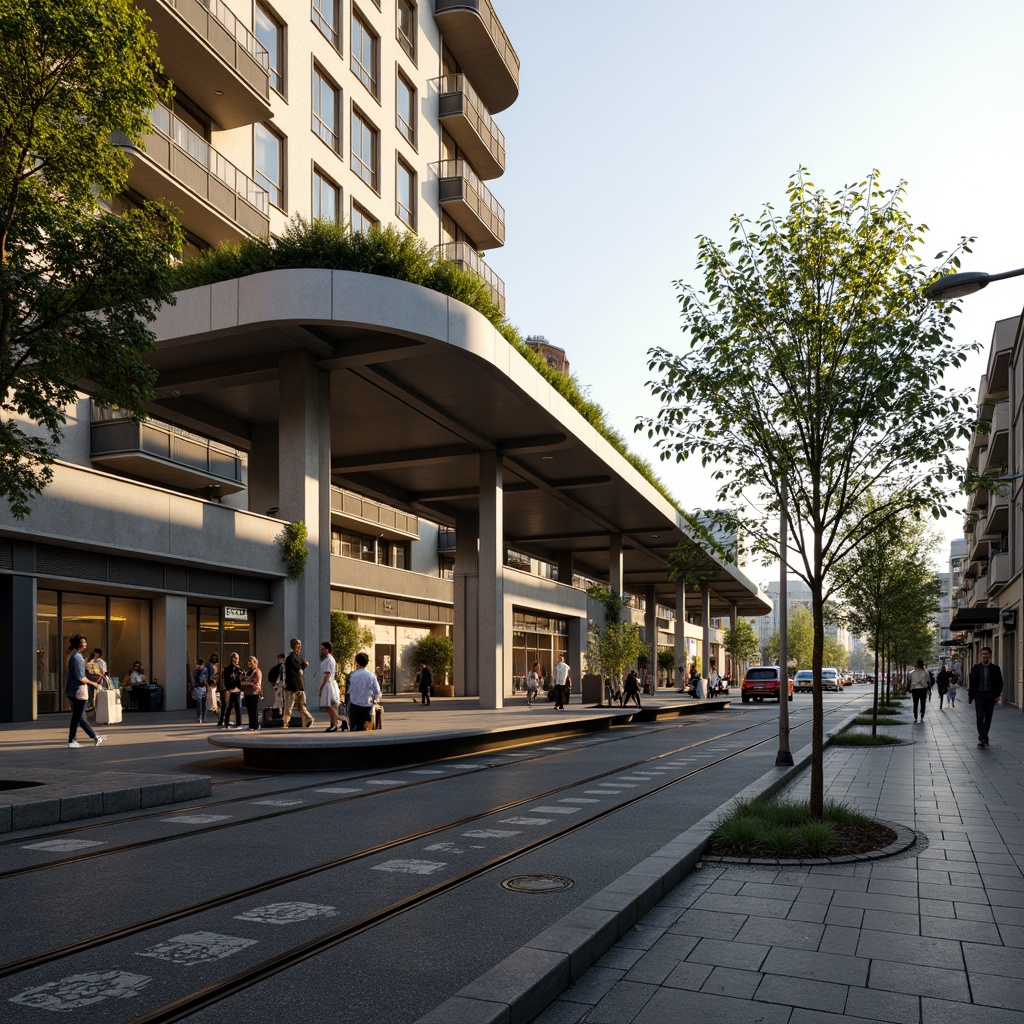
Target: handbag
{"x": 199, "y": 693}
{"x": 82, "y": 693}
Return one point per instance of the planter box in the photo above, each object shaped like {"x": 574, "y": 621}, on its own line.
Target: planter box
{"x": 442, "y": 690}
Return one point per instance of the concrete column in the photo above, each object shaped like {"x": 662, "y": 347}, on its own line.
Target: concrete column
{"x": 651, "y": 630}
{"x": 735, "y": 667}
{"x": 304, "y": 474}
{"x": 679, "y": 645}
{"x": 491, "y": 592}
{"x": 575, "y": 646}
{"x": 565, "y": 568}
{"x": 17, "y": 649}
{"x": 171, "y": 667}
{"x": 705, "y": 621}
{"x": 615, "y": 562}
{"x": 465, "y": 585}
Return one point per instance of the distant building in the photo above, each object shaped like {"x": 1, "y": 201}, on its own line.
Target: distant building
{"x": 554, "y": 355}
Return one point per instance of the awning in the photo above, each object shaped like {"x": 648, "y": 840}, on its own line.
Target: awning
{"x": 972, "y": 618}
{"x": 954, "y": 643}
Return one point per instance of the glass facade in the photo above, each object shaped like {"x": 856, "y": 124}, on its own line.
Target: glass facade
{"x": 536, "y": 637}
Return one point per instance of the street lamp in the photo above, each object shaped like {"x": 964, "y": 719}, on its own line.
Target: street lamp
{"x": 955, "y": 286}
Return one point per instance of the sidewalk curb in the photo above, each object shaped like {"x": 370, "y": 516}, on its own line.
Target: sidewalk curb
{"x": 524, "y": 984}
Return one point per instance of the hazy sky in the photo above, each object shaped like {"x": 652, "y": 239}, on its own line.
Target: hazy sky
{"x": 641, "y": 125}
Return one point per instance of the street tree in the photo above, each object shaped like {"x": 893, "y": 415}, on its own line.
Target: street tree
{"x": 815, "y": 367}
{"x": 741, "y": 642}
{"x": 799, "y": 639}
{"x": 618, "y": 646}
{"x": 78, "y": 284}
{"x": 348, "y": 638}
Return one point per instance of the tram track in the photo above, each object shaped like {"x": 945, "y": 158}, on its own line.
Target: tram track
{"x": 303, "y": 951}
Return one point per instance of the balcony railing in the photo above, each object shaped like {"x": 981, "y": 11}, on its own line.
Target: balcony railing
{"x": 474, "y": 34}
{"x": 388, "y": 521}
{"x": 464, "y": 115}
{"x": 471, "y": 204}
{"x": 164, "y": 453}
{"x": 469, "y": 259}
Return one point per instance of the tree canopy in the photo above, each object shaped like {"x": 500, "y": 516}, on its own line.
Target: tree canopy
{"x": 78, "y": 284}
{"x": 815, "y": 364}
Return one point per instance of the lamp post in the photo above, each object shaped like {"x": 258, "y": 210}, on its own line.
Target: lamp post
{"x": 955, "y": 286}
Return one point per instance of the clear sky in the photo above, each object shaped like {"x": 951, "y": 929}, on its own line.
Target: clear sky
{"x": 641, "y": 125}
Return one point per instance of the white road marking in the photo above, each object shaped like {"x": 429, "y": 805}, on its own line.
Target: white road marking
{"x": 197, "y": 948}
{"x": 444, "y": 848}
{"x": 554, "y": 810}
{"x": 489, "y": 833}
{"x": 338, "y": 789}
{"x": 603, "y": 792}
{"x": 63, "y": 845}
{"x": 78, "y": 990}
{"x": 426, "y": 771}
{"x": 384, "y": 782}
{"x": 286, "y": 913}
{"x": 527, "y": 821}
{"x": 577, "y": 800}
{"x": 411, "y": 867}
{"x": 279, "y": 803}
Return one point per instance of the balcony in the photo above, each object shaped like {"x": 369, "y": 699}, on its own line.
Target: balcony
{"x": 999, "y": 355}
{"x": 478, "y": 42}
{"x": 466, "y": 120}
{"x": 998, "y": 520}
{"x": 469, "y": 202}
{"x": 163, "y": 454}
{"x": 217, "y": 200}
{"x": 212, "y": 57}
{"x": 980, "y": 591}
{"x": 383, "y": 520}
{"x": 467, "y": 258}
{"x": 993, "y": 459}
{"x": 1000, "y": 569}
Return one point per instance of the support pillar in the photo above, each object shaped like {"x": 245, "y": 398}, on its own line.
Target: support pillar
{"x": 304, "y": 474}
{"x": 679, "y": 646}
{"x": 17, "y": 649}
{"x": 565, "y": 568}
{"x": 466, "y": 577}
{"x": 735, "y": 668}
{"x": 651, "y": 631}
{"x": 705, "y": 622}
{"x": 491, "y": 584}
{"x": 615, "y": 562}
{"x": 171, "y": 667}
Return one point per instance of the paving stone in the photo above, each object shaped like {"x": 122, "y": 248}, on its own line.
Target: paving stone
{"x": 560, "y": 1012}
{"x": 120, "y": 801}
{"x": 670, "y": 1006}
{"x": 622, "y": 1004}
{"x": 814, "y": 995}
{"x": 839, "y": 940}
{"x": 708, "y": 924}
{"x": 35, "y": 813}
{"x": 937, "y": 982}
{"x": 964, "y": 931}
{"x": 872, "y": 1004}
{"x": 900, "y": 924}
{"x": 772, "y": 932}
{"x": 938, "y": 908}
{"x": 156, "y": 793}
{"x": 745, "y": 955}
{"x": 876, "y": 901}
{"x": 467, "y": 1011}
{"x": 940, "y": 1011}
{"x": 85, "y": 805}
{"x": 844, "y": 970}
{"x": 743, "y": 905}
{"x": 593, "y": 986}
{"x": 653, "y": 968}
{"x": 996, "y": 990}
{"x": 1007, "y": 963}
{"x": 975, "y": 912}
{"x": 618, "y": 958}
{"x": 850, "y": 917}
{"x": 727, "y": 981}
{"x": 911, "y": 949}
{"x": 1011, "y": 935}
{"x": 813, "y": 913}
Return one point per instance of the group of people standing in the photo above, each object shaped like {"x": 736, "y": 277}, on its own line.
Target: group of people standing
{"x": 222, "y": 691}
{"x": 560, "y": 683}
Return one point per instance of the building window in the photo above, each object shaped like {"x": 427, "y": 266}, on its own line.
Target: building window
{"x": 365, "y": 59}
{"x": 270, "y": 33}
{"x": 269, "y": 162}
{"x": 362, "y": 219}
{"x": 406, "y": 29}
{"x": 326, "y": 197}
{"x": 326, "y": 105}
{"x": 405, "y": 108}
{"x": 405, "y": 194}
{"x": 365, "y": 150}
{"x": 325, "y": 17}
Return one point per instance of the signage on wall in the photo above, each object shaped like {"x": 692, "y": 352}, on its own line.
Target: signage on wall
{"x": 236, "y": 614}
{"x": 1010, "y": 618}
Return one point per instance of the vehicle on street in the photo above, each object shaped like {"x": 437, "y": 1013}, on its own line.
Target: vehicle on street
{"x": 804, "y": 681}
{"x": 762, "y": 681}
{"x": 830, "y": 680}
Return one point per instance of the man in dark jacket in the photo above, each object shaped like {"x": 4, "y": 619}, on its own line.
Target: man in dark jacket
{"x": 295, "y": 685}
{"x": 984, "y": 691}
{"x": 424, "y": 680}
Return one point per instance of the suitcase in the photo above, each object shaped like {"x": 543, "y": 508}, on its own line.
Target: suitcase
{"x": 108, "y": 707}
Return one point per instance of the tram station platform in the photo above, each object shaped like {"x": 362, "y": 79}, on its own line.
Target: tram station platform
{"x": 167, "y": 757}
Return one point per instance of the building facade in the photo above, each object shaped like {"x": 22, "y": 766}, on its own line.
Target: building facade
{"x": 390, "y": 420}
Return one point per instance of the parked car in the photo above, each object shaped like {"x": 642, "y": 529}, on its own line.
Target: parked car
{"x": 830, "y": 680}
{"x": 763, "y": 681}
{"x": 804, "y": 681}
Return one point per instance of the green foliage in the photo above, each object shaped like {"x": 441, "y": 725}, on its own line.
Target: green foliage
{"x": 872, "y": 719}
{"x": 815, "y": 363}
{"x": 818, "y": 838}
{"x": 778, "y": 827}
{"x": 619, "y": 646}
{"x": 391, "y": 252}
{"x": 667, "y": 661}
{"x": 609, "y": 598}
{"x": 864, "y": 739}
{"x": 293, "y": 548}
{"x": 348, "y": 638}
{"x": 439, "y": 654}
{"x": 741, "y": 640}
{"x": 78, "y": 285}
{"x": 799, "y": 639}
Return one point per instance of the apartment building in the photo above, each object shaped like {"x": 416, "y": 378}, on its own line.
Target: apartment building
{"x": 985, "y": 572}
{"x": 419, "y": 450}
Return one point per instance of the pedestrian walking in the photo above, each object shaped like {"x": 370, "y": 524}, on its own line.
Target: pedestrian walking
{"x": 532, "y": 684}
{"x": 631, "y": 688}
{"x": 714, "y": 682}
{"x": 199, "y": 688}
{"x": 363, "y": 692}
{"x": 276, "y": 679}
{"x": 942, "y": 683}
{"x": 984, "y": 692}
{"x": 78, "y": 686}
{"x": 215, "y": 698}
{"x": 232, "y": 683}
{"x": 917, "y": 681}
{"x": 295, "y": 685}
{"x": 96, "y": 668}
{"x": 951, "y": 692}
{"x": 330, "y": 695}
{"x": 561, "y": 675}
{"x": 424, "y": 681}
{"x": 252, "y": 691}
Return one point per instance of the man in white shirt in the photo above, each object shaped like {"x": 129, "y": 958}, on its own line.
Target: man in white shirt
{"x": 918, "y": 681}
{"x": 363, "y": 691}
{"x": 561, "y": 675}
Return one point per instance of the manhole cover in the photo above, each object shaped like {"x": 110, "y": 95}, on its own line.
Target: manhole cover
{"x": 537, "y": 883}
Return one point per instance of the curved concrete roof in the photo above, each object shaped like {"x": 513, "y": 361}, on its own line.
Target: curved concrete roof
{"x": 420, "y": 384}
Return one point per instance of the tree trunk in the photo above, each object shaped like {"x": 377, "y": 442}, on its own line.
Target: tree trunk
{"x": 817, "y": 800}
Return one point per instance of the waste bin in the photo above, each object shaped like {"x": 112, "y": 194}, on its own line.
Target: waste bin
{"x": 148, "y": 698}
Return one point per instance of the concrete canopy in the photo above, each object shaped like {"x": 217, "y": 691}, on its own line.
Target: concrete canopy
{"x": 420, "y": 385}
